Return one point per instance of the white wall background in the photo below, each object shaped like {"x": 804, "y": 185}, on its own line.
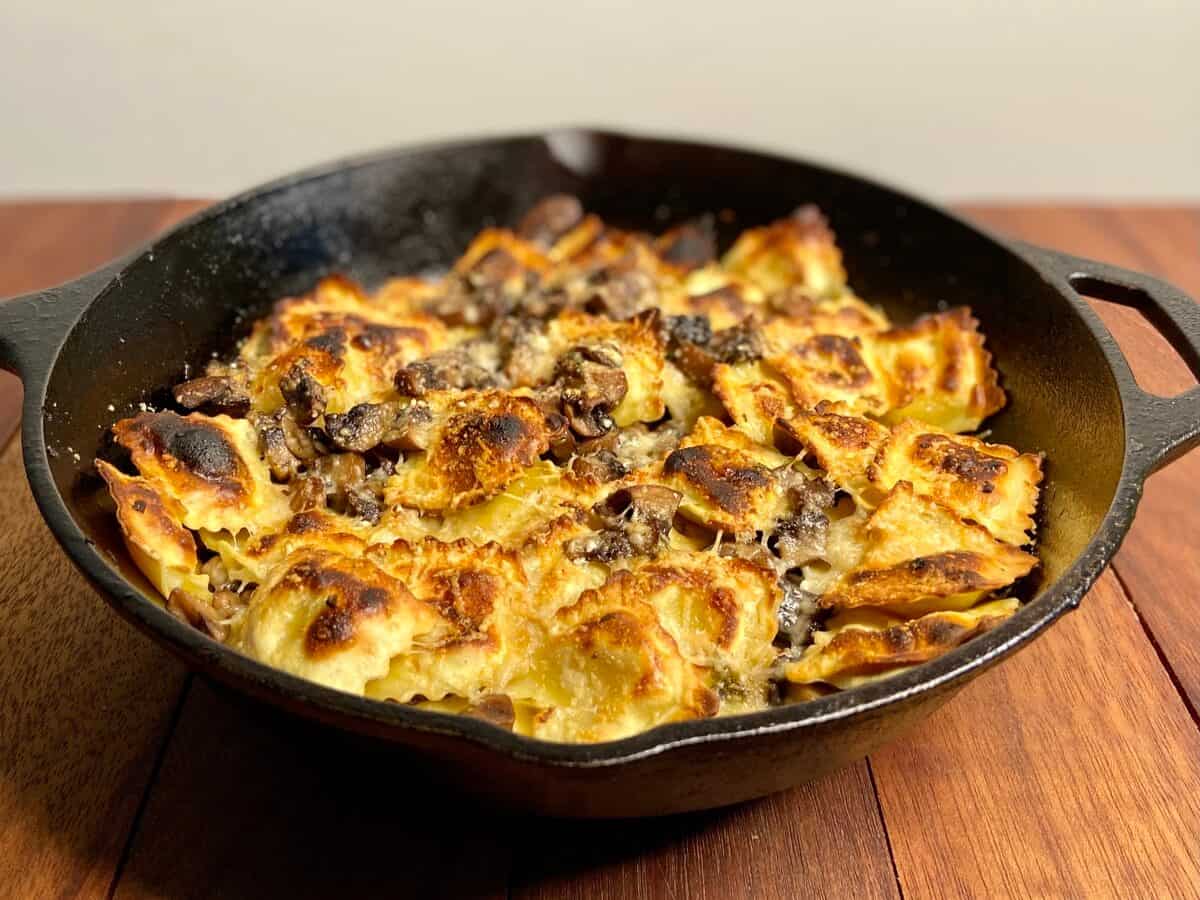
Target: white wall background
{"x": 954, "y": 98}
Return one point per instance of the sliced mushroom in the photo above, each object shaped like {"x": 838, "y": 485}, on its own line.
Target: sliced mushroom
{"x": 473, "y": 299}
{"x": 198, "y": 612}
{"x": 358, "y": 430}
{"x": 214, "y": 393}
{"x": 218, "y": 575}
{"x": 637, "y": 521}
{"x": 280, "y": 460}
{"x": 305, "y": 443}
{"x": 451, "y": 369}
{"x": 599, "y": 467}
{"x": 619, "y": 293}
{"x": 303, "y": 395}
{"x": 363, "y": 503}
{"x": 691, "y": 244}
{"x": 795, "y": 612}
{"x": 340, "y": 472}
{"x": 593, "y": 385}
{"x": 741, "y": 343}
{"x": 801, "y": 536}
{"x": 411, "y": 426}
{"x": 687, "y": 330}
{"x": 308, "y": 493}
{"x": 550, "y": 219}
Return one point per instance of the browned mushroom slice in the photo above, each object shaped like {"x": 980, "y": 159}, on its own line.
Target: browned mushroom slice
{"x": 214, "y": 393}
{"x": 360, "y": 429}
{"x": 637, "y": 521}
{"x": 690, "y": 245}
{"x": 550, "y": 219}
{"x": 453, "y": 369}
{"x": 303, "y": 395}
{"x": 593, "y": 384}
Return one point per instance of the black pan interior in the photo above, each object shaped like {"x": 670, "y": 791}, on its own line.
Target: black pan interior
{"x": 414, "y": 212}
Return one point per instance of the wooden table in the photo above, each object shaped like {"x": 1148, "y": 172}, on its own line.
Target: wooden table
{"x": 1071, "y": 770}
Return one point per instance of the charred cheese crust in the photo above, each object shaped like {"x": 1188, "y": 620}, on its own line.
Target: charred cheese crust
{"x": 842, "y": 445}
{"x": 990, "y": 484}
{"x": 919, "y": 553}
{"x": 860, "y": 647}
{"x": 940, "y": 371}
{"x": 589, "y": 482}
{"x": 728, "y": 481}
{"x": 209, "y": 467}
{"x": 485, "y": 440}
{"x": 333, "y": 619}
{"x": 351, "y": 345}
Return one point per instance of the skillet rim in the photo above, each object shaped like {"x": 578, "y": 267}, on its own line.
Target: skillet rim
{"x": 389, "y": 721}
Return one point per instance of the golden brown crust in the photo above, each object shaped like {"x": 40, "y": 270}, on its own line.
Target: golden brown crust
{"x": 486, "y": 440}
{"x": 588, "y": 482}
{"x": 918, "y": 551}
{"x": 333, "y": 619}
{"x": 857, "y": 650}
{"x": 990, "y": 484}
{"x": 754, "y": 396}
{"x": 940, "y": 371}
{"x": 209, "y": 465}
{"x": 841, "y": 445}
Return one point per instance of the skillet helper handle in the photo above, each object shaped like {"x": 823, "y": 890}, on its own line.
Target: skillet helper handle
{"x": 1158, "y": 429}
{"x": 33, "y": 327}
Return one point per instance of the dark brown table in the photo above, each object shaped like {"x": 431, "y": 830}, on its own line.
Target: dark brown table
{"x": 1071, "y": 770}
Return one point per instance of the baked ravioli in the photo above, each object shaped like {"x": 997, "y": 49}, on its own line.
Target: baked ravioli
{"x": 588, "y": 482}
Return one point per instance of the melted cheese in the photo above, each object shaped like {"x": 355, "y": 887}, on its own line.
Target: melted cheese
{"x": 209, "y": 467}
{"x": 498, "y": 579}
{"x": 334, "y": 620}
{"x": 940, "y": 371}
{"x": 991, "y": 484}
{"x": 860, "y": 647}
{"x": 919, "y": 555}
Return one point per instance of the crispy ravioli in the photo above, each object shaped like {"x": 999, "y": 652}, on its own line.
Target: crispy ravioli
{"x": 940, "y": 372}
{"x": 919, "y": 554}
{"x": 209, "y": 467}
{"x": 588, "y": 482}
{"x": 334, "y": 619}
{"x": 728, "y": 481}
{"x": 484, "y": 441}
{"x": 840, "y": 444}
{"x": 990, "y": 484}
{"x": 859, "y": 647}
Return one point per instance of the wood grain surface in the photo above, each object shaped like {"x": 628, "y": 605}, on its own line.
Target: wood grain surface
{"x": 1071, "y": 770}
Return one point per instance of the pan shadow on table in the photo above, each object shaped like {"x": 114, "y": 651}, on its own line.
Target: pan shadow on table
{"x": 248, "y": 803}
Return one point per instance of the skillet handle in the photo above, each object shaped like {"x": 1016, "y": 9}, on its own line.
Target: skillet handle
{"x": 33, "y": 327}
{"x": 1158, "y": 429}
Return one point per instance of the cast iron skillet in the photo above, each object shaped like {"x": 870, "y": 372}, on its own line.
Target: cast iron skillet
{"x": 123, "y": 333}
